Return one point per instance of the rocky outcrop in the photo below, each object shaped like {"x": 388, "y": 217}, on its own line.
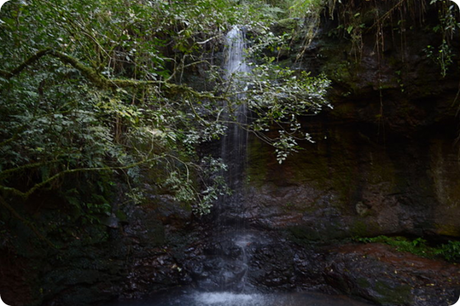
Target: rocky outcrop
{"x": 381, "y": 275}
{"x": 384, "y": 162}
{"x": 350, "y": 184}
{"x": 269, "y": 262}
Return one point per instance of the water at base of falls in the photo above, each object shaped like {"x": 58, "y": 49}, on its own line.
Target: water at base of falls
{"x": 226, "y": 266}
{"x": 235, "y": 299}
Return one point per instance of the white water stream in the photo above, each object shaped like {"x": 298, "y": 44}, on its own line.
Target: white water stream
{"x": 234, "y": 152}
{"x": 233, "y": 148}
{"x": 236, "y": 62}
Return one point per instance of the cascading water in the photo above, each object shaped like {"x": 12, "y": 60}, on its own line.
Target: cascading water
{"x": 236, "y": 62}
{"x": 230, "y": 257}
{"x": 234, "y": 145}
{"x": 234, "y": 154}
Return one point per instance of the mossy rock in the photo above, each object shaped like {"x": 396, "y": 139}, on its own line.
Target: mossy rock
{"x": 393, "y": 295}
{"x": 364, "y": 228}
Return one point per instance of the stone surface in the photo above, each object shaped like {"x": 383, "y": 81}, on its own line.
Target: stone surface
{"x": 381, "y": 275}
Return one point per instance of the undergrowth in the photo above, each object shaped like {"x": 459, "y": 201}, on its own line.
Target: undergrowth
{"x": 449, "y": 251}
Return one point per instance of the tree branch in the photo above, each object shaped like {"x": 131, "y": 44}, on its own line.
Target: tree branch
{"x": 26, "y": 194}
{"x": 101, "y": 81}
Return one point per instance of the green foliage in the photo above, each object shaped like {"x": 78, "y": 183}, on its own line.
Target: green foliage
{"x": 278, "y": 97}
{"x": 93, "y": 92}
{"x": 302, "y": 8}
{"x": 448, "y": 18}
{"x": 442, "y": 56}
{"x": 201, "y": 198}
{"x": 450, "y": 251}
{"x": 418, "y": 246}
{"x": 449, "y": 23}
{"x": 355, "y": 18}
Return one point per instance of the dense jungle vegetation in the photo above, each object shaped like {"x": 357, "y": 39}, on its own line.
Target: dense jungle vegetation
{"x": 96, "y": 96}
{"x": 94, "y": 100}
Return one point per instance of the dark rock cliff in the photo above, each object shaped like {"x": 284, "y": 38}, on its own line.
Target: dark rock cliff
{"x": 385, "y": 159}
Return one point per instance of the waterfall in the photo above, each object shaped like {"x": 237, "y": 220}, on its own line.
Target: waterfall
{"x": 235, "y": 49}
{"x": 226, "y": 265}
{"x": 233, "y": 146}
{"x": 233, "y": 151}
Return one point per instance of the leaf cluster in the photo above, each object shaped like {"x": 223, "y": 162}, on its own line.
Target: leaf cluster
{"x": 450, "y": 251}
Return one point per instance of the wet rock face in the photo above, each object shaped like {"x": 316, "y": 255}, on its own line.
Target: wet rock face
{"x": 272, "y": 268}
{"x": 384, "y": 159}
{"x": 379, "y": 274}
{"x": 350, "y": 184}
{"x": 373, "y": 272}
{"x": 225, "y": 261}
{"x": 157, "y": 240}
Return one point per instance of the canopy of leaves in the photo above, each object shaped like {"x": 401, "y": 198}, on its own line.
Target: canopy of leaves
{"x": 94, "y": 91}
